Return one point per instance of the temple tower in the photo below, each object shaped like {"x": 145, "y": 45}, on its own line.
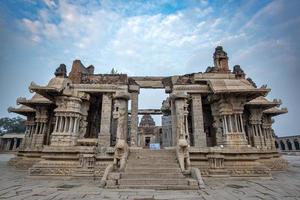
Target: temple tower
{"x": 221, "y": 59}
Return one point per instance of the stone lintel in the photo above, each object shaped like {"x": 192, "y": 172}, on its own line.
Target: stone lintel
{"x": 149, "y": 81}
{"x": 205, "y": 76}
{"x": 148, "y": 112}
{"x": 99, "y": 88}
{"x": 191, "y": 88}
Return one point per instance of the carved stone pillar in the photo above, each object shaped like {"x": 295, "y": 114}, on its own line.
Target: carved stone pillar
{"x": 227, "y": 112}
{"x": 68, "y": 115}
{"x": 28, "y": 133}
{"x": 104, "y": 136}
{"x": 121, "y": 114}
{"x": 234, "y": 136}
{"x": 8, "y": 143}
{"x": 197, "y": 117}
{"x": 173, "y": 120}
{"x": 41, "y": 126}
{"x": 83, "y": 122}
{"x": 15, "y": 144}
{"x": 134, "y": 118}
{"x": 217, "y": 124}
{"x": 180, "y": 107}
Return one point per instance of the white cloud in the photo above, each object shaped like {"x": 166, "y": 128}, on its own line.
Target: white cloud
{"x": 33, "y": 26}
{"x": 143, "y": 39}
{"x": 50, "y": 3}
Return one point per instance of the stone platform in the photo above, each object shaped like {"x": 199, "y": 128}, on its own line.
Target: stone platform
{"x": 17, "y": 185}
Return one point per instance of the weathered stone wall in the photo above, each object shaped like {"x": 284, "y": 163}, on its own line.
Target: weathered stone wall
{"x": 288, "y": 143}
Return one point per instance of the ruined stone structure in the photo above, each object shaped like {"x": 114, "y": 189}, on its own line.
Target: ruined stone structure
{"x": 288, "y": 144}
{"x": 216, "y": 123}
{"x": 148, "y": 132}
{"x": 10, "y": 142}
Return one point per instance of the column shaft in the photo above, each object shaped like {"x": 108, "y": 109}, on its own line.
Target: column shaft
{"x": 174, "y": 122}
{"x": 230, "y": 123}
{"x": 71, "y": 125}
{"x": 225, "y": 122}
{"x": 236, "y": 124}
{"x": 242, "y": 124}
{"x": 60, "y": 124}
{"x": 56, "y": 124}
{"x": 197, "y": 121}
{"x": 134, "y": 118}
{"x": 104, "y": 135}
{"x": 65, "y": 124}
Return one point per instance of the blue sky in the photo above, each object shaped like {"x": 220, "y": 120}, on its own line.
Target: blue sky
{"x": 152, "y": 38}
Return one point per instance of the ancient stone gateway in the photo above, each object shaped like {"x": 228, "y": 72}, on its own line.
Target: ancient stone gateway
{"x": 215, "y": 123}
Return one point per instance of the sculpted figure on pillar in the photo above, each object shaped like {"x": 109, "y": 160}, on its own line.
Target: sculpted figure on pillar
{"x": 121, "y": 147}
{"x": 120, "y": 155}
{"x": 183, "y": 155}
{"x": 182, "y": 148}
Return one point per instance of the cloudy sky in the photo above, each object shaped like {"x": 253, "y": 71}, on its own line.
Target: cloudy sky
{"x": 162, "y": 37}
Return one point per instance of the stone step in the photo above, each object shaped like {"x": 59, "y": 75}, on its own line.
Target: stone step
{"x": 154, "y": 155}
{"x": 161, "y": 157}
{"x": 152, "y": 161}
{"x": 153, "y": 182}
{"x": 152, "y": 166}
{"x": 151, "y": 175}
{"x": 160, "y": 187}
{"x": 155, "y": 152}
{"x": 152, "y": 170}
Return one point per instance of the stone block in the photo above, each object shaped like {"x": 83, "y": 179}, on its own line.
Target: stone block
{"x": 192, "y": 182}
{"x": 110, "y": 183}
{"x": 114, "y": 176}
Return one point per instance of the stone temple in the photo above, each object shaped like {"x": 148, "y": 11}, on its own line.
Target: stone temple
{"x": 216, "y": 123}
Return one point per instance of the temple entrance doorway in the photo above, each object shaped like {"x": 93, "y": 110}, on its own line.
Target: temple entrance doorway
{"x": 150, "y": 118}
{"x": 147, "y": 142}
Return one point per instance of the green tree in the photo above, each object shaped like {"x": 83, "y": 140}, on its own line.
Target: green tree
{"x": 12, "y": 125}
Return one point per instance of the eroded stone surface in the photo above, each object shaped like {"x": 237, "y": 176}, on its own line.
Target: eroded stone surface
{"x": 17, "y": 185}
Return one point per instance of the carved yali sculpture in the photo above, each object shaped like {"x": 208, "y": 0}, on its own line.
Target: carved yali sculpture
{"x": 183, "y": 155}
{"x": 120, "y": 156}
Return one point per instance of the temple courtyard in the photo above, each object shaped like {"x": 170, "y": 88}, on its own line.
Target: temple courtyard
{"x": 17, "y": 185}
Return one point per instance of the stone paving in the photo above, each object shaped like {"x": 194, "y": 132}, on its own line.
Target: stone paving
{"x": 17, "y": 185}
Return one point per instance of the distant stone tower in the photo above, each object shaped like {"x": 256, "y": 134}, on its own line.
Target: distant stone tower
{"x": 221, "y": 59}
{"x": 147, "y": 121}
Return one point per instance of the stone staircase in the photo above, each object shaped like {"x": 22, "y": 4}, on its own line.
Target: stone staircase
{"x": 154, "y": 169}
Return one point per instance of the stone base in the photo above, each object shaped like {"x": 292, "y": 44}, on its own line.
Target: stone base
{"x": 59, "y": 139}
{"x": 275, "y": 164}
{"x": 214, "y": 161}
{"x": 25, "y": 159}
{"x": 218, "y": 173}
{"x": 237, "y": 162}
{"x": 75, "y": 161}
{"x": 235, "y": 140}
